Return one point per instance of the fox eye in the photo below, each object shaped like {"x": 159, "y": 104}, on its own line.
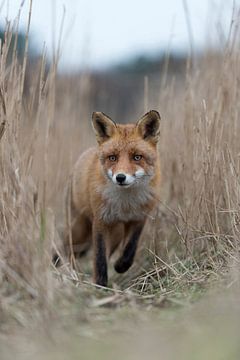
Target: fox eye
{"x": 137, "y": 157}
{"x": 112, "y": 158}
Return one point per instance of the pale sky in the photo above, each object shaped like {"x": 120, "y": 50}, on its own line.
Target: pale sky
{"x": 101, "y": 32}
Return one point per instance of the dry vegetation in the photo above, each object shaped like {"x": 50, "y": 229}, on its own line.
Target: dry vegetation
{"x": 191, "y": 243}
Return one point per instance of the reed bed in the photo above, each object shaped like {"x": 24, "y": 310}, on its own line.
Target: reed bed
{"x": 193, "y": 239}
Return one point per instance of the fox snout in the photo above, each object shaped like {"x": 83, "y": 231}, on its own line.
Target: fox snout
{"x": 124, "y": 179}
{"x": 121, "y": 178}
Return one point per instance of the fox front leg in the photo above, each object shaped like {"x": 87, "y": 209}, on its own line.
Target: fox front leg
{"x": 127, "y": 257}
{"x": 100, "y": 259}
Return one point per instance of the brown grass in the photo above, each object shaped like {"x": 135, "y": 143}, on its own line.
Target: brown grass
{"x": 192, "y": 242}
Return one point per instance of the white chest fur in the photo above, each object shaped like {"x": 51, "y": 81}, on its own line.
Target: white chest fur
{"x": 125, "y": 204}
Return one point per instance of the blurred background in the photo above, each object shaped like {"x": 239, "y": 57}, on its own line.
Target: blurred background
{"x": 99, "y": 35}
{"x": 118, "y": 45}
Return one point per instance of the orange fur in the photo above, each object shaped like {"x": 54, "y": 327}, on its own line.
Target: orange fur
{"x": 106, "y": 212}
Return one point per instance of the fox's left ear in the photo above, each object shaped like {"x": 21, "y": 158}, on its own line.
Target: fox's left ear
{"x": 149, "y": 126}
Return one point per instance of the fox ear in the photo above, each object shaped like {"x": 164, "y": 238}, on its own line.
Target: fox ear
{"x": 103, "y": 126}
{"x": 149, "y": 126}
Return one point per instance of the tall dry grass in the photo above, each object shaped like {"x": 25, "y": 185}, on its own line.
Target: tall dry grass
{"x": 45, "y": 128}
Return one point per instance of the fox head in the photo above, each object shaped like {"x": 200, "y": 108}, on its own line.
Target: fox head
{"x": 128, "y": 153}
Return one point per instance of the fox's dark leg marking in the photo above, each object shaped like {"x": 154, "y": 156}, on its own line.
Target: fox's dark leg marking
{"x": 56, "y": 260}
{"x": 101, "y": 276}
{"x": 126, "y": 259}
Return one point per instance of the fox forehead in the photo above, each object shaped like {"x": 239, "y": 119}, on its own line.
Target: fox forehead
{"x": 126, "y": 138}
{"x": 127, "y": 147}
{"x": 126, "y": 130}
{"x": 125, "y": 134}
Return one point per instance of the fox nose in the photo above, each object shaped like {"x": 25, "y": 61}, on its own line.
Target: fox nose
{"x": 120, "y": 178}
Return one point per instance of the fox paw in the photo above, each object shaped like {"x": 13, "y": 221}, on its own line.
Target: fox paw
{"x": 122, "y": 265}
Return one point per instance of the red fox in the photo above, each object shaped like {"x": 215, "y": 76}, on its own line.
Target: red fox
{"x": 114, "y": 187}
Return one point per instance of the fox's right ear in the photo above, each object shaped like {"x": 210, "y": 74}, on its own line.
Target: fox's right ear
{"x": 103, "y": 126}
